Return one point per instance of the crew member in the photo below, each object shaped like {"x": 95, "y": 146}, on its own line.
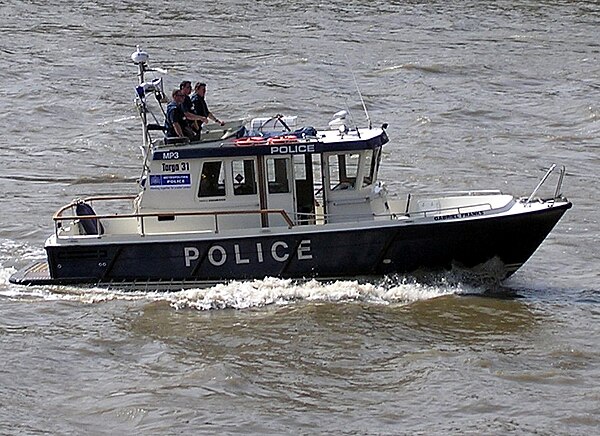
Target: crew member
{"x": 193, "y": 120}
{"x": 175, "y": 119}
{"x": 199, "y": 104}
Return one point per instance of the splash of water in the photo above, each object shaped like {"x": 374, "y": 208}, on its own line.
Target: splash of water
{"x": 247, "y": 294}
{"x": 258, "y": 293}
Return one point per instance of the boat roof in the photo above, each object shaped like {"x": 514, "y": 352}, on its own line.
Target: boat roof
{"x": 325, "y": 141}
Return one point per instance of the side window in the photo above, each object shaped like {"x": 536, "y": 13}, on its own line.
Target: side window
{"x": 212, "y": 180}
{"x": 277, "y": 175}
{"x": 369, "y": 167}
{"x": 376, "y": 161}
{"x": 343, "y": 171}
{"x": 244, "y": 177}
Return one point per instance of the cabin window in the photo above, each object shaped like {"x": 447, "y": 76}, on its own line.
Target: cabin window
{"x": 244, "y": 177}
{"x": 212, "y": 180}
{"x": 369, "y": 168}
{"x": 375, "y": 163}
{"x": 277, "y": 176}
{"x": 343, "y": 171}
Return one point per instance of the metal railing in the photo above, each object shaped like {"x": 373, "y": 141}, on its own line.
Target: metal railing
{"x": 59, "y": 218}
{"x": 557, "y": 191}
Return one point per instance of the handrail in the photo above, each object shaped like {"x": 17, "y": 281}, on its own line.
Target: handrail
{"x": 467, "y": 192}
{"x": 282, "y": 212}
{"x": 58, "y": 217}
{"x": 557, "y": 192}
{"x": 91, "y": 199}
{"x": 543, "y": 180}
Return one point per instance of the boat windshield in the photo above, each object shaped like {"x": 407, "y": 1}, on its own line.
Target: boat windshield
{"x": 343, "y": 171}
{"x": 353, "y": 170}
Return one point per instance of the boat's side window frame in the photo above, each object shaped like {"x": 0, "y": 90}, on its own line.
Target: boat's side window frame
{"x": 343, "y": 170}
{"x": 367, "y": 168}
{"x": 212, "y": 180}
{"x": 244, "y": 176}
{"x": 375, "y": 162}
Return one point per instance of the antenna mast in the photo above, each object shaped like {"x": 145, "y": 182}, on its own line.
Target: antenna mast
{"x": 361, "y": 97}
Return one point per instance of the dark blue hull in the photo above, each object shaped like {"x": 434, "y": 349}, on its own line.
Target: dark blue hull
{"x": 326, "y": 254}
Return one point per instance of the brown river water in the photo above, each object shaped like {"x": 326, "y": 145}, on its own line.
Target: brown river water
{"x": 478, "y": 95}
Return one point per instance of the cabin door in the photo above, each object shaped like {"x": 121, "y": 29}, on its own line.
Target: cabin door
{"x": 308, "y": 187}
{"x": 278, "y": 187}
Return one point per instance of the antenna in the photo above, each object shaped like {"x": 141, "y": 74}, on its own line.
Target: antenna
{"x": 360, "y": 95}
{"x": 351, "y": 117}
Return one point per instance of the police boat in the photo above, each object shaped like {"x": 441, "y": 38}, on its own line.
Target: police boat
{"x": 271, "y": 199}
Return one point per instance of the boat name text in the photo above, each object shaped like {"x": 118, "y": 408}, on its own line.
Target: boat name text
{"x": 174, "y": 167}
{"x": 458, "y": 215}
{"x": 218, "y": 255}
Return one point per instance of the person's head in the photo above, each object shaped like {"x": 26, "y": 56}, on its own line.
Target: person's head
{"x": 177, "y": 95}
{"x": 200, "y": 88}
{"x": 186, "y": 86}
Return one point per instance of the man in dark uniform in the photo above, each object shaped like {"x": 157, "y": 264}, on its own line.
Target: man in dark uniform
{"x": 175, "y": 119}
{"x": 193, "y": 120}
{"x": 199, "y": 104}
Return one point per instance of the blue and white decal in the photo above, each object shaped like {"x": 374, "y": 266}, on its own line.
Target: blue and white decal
{"x": 170, "y": 181}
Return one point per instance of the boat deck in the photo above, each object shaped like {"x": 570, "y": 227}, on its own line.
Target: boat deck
{"x": 38, "y": 274}
{"x": 35, "y": 274}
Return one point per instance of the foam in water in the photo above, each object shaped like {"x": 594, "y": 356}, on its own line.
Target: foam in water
{"x": 11, "y": 250}
{"x": 257, "y": 293}
{"x": 245, "y": 294}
